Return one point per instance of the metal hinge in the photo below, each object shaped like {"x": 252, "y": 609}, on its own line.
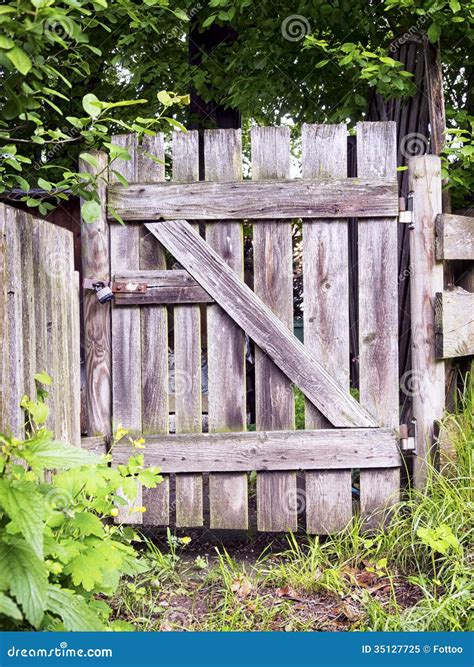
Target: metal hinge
{"x": 407, "y": 438}
{"x": 406, "y": 210}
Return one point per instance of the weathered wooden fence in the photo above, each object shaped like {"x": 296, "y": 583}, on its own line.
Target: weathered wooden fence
{"x": 129, "y": 385}
{"x": 39, "y": 322}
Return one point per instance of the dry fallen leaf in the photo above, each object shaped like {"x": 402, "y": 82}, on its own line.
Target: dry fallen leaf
{"x": 288, "y": 592}
{"x": 242, "y": 587}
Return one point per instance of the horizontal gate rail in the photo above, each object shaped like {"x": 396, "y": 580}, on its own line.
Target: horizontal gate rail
{"x": 269, "y": 450}
{"x": 454, "y": 237}
{"x": 167, "y": 286}
{"x": 274, "y": 200}
{"x": 259, "y": 322}
{"x": 454, "y": 323}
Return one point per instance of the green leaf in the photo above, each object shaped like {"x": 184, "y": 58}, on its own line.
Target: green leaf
{"x": 20, "y": 59}
{"x": 440, "y": 539}
{"x": 44, "y": 378}
{"x": 455, "y": 5}
{"x": 90, "y": 211}
{"x": 92, "y": 105}
{"x": 321, "y": 63}
{"x": 121, "y": 179}
{"x": 24, "y": 506}
{"x": 46, "y": 185}
{"x": 27, "y": 579}
{"x": 434, "y": 31}
{"x": 6, "y": 42}
{"x": 37, "y": 410}
{"x": 9, "y": 608}
{"x": 164, "y": 98}
{"x": 88, "y": 524}
{"x": 75, "y": 613}
{"x": 43, "y": 453}
{"x": 90, "y": 159}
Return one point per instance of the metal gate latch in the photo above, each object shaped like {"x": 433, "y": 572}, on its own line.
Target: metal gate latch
{"x": 406, "y": 209}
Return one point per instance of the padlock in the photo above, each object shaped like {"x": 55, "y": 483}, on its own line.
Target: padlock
{"x": 103, "y": 292}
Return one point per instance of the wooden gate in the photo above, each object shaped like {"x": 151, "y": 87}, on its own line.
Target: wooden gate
{"x": 177, "y": 272}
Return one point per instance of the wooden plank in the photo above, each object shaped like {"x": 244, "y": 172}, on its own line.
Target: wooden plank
{"x": 378, "y": 314}
{"x": 326, "y": 317}
{"x": 332, "y": 449}
{"x": 228, "y": 494}
{"x": 154, "y": 337}
{"x": 76, "y": 361}
{"x": 4, "y": 341}
{"x": 273, "y": 283}
{"x": 126, "y": 329}
{"x": 454, "y": 237}
{"x": 51, "y": 352}
{"x": 426, "y": 383}
{"x": 354, "y": 197}
{"x": 254, "y": 317}
{"x": 27, "y": 280}
{"x": 97, "y": 324}
{"x": 15, "y": 418}
{"x": 187, "y": 344}
{"x": 454, "y": 323}
{"x": 172, "y": 286}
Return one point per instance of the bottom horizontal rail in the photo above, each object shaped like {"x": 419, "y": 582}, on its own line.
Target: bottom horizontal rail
{"x": 266, "y": 450}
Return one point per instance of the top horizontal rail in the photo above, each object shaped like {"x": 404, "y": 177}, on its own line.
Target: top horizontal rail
{"x": 203, "y": 200}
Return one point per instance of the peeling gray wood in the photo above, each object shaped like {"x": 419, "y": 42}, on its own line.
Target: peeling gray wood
{"x": 354, "y": 197}
{"x": 258, "y": 321}
{"x": 126, "y": 329}
{"x": 228, "y": 494}
{"x": 454, "y": 323}
{"x": 426, "y": 383}
{"x": 378, "y": 312}
{"x": 331, "y": 449}
{"x": 454, "y": 237}
{"x": 154, "y": 337}
{"x": 273, "y": 284}
{"x": 97, "y": 322}
{"x": 326, "y": 317}
{"x": 187, "y": 349}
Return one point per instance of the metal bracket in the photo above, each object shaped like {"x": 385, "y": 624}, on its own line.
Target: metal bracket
{"x": 122, "y": 288}
{"x": 407, "y": 436}
{"x": 406, "y": 210}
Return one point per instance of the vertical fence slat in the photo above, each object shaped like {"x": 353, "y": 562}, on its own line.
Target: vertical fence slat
{"x": 126, "y": 338}
{"x": 187, "y": 351}
{"x": 427, "y": 382}
{"x": 76, "y": 360}
{"x": 4, "y": 342}
{"x": 154, "y": 333}
{"x": 97, "y": 323}
{"x": 27, "y": 280}
{"x": 378, "y": 314}
{"x": 228, "y": 493}
{"x": 273, "y": 282}
{"x": 61, "y": 283}
{"x": 326, "y": 317}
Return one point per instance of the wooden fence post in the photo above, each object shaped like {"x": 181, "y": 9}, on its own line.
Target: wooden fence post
{"x": 426, "y": 383}
{"x": 96, "y": 264}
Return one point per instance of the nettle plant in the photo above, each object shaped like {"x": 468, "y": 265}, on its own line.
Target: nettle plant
{"x": 57, "y": 552}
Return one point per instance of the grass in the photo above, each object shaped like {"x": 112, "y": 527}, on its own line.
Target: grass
{"x": 414, "y": 575}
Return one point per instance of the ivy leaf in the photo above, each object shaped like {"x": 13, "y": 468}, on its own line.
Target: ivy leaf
{"x": 88, "y": 524}
{"x": 90, "y": 211}
{"x": 75, "y": 613}
{"x": 24, "y": 506}
{"x": 9, "y": 608}
{"x": 27, "y": 578}
{"x": 20, "y": 59}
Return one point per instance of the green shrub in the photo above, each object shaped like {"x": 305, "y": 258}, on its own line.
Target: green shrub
{"x": 57, "y": 554}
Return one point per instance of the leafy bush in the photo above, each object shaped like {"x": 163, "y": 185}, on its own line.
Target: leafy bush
{"x": 57, "y": 553}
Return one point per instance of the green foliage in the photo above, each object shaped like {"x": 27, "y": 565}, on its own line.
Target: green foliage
{"x": 50, "y": 54}
{"x": 57, "y": 551}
